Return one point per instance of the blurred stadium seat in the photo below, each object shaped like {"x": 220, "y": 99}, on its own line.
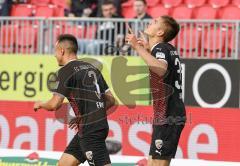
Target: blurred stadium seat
{"x": 127, "y": 11}
{"x": 158, "y": 10}
{"x": 232, "y": 42}
{"x": 90, "y": 31}
{"x": 59, "y": 11}
{"x": 152, "y": 2}
{"x": 230, "y": 13}
{"x": 22, "y": 10}
{"x": 219, "y": 3}
{"x": 50, "y": 35}
{"x": 182, "y": 12}
{"x": 59, "y": 3}
{"x": 215, "y": 42}
{"x": 40, "y": 2}
{"x": 8, "y": 36}
{"x": 194, "y": 3}
{"x": 171, "y": 3}
{"x": 26, "y": 40}
{"x": 191, "y": 45}
{"x": 205, "y": 12}
{"x": 76, "y": 30}
{"x": 44, "y": 11}
{"x": 236, "y": 3}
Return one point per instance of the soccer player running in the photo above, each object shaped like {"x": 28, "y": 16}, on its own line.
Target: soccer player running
{"x": 165, "y": 81}
{"x": 85, "y": 88}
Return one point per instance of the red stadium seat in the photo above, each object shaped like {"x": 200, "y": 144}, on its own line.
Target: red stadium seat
{"x": 230, "y": 13}
{"x": 182, "y": 12}
{"x": 157, "y": 11}
{"x": 152, "y": 2}
{"x": 76, "y": 30}
{"x": 59, "y": 11}
{"x": 188, "y": 40}
{"x": 215, "y": 42}
{"x": 26, "y": 39}
{"x": 218, "y": 3}
{"x": 194, "y": 3}
{"x": 90, "y": 32}
{"x": 60, "y": 3}
{"x": 128, "y": 12}
{"x": 54, "y": 33}
{"x": 22, "y": 10}
{"x": 232, "y": 42}
{"x": 40, "y": 2}
{"x": 44, "y": 11}
{"x": 205, "y": 12}
{"x": 171, "y": 3}
{"x": 236, "y": 3}
{"x": 8, "y": 36}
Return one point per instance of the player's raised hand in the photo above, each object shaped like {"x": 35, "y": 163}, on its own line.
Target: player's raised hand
{"x": 131, "y": 37}
{"x": 143, "y": 41}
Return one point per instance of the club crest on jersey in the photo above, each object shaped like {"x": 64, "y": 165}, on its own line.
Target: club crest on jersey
{"x": 89, "y": 155}
{"x": 56, "y": 84}
{"x": 158, "y": 143}
{"x": 160, "y": 55}
{"x": 53, "y": 85}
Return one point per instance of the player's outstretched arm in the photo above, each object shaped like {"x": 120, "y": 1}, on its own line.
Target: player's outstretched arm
{"x": 51, "y": 105}
{"x": 157, "y": 66}
{"x": 142, "y": 41}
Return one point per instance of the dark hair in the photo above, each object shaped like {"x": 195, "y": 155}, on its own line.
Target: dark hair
{"x": 72, "y": 41}
{"x": 108, "y": 2}
{"x": 143, "y": 1}
{"x": 172, "y": 28}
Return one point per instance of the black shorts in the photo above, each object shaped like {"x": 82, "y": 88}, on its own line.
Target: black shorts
{"x": 165, "y": 141}
{"x": 91, "y": 148}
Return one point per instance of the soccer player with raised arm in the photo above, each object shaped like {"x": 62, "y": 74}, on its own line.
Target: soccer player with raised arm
{"x": 166, "y": 86}
{"x": 86, "y": 90}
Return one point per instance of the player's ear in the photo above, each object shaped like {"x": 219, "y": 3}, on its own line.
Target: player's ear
{"x": 160, "y": 33}
{"x": 62, "y": 52}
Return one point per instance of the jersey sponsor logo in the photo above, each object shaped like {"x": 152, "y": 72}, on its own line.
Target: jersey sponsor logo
{"x": 100, "y": 104}
{"x": 172, "y": 53}
{"x": 56, "y": 85}
{"x": 159, "y": 143}
{"x": 53, "y": 85}
{"x": 160, "y": 55}
{"x": 89, "y": 155}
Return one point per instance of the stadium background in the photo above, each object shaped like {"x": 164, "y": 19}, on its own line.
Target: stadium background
{"x": 208, "y": 43}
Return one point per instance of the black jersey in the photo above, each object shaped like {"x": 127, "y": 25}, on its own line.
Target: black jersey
{"x": 84, "y": 86}
{"x": 167, "y": 91}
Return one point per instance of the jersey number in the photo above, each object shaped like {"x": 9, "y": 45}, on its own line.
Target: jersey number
{"x": 178, "y": 82}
